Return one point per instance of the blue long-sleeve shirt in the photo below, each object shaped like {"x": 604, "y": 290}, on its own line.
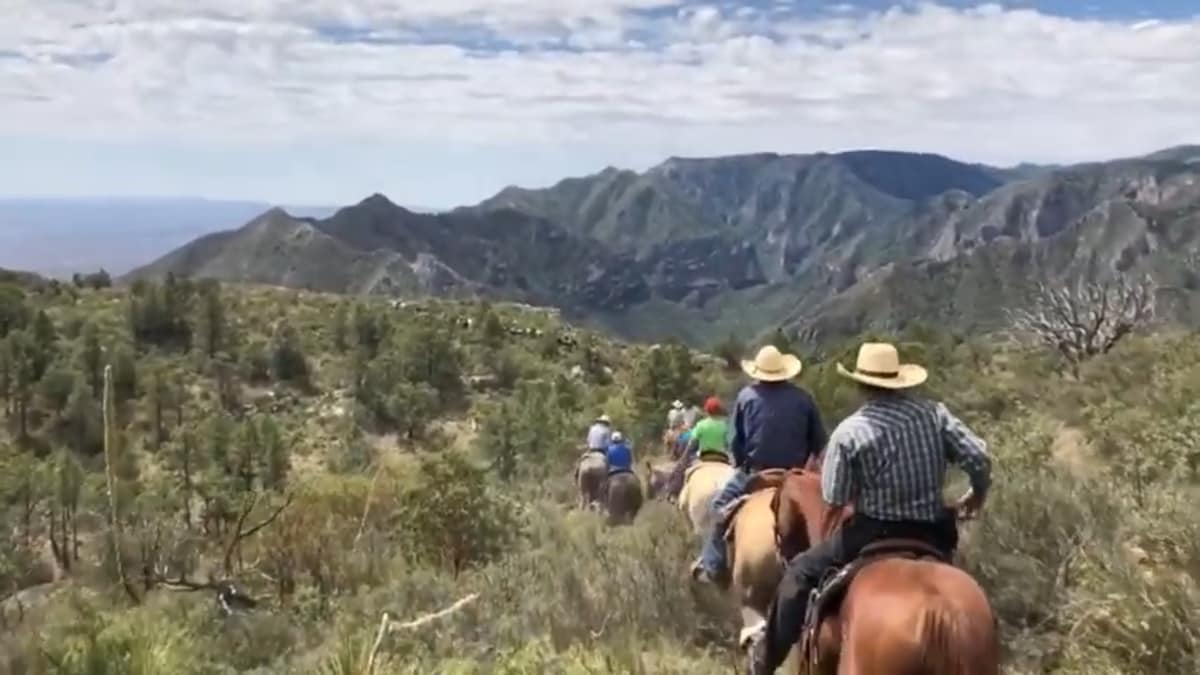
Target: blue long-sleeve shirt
{"x": 776, "y": 425}
{"x": 620, "y": 458}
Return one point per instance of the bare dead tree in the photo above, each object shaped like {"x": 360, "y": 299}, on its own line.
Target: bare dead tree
{"x": 388, "y": 623}
{"x": 242, "y": 532}
{"x": 1083, "y": 319}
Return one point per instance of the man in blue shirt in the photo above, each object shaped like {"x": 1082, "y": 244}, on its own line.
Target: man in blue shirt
{"x": 620, "y": 457}
{"x": 776, "y": 425}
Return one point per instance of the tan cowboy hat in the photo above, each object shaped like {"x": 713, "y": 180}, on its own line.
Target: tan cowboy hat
{"x": 770, "y": 365}
{"x": 604, "y": 419}
{"x": 879, "y": 366}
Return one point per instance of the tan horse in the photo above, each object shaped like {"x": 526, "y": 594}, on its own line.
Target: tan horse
{"x": 701, "y": 484}
{"x": 903, "y": 612}
{"x": 591, "y": 476}
{"x": 754, "y": 563}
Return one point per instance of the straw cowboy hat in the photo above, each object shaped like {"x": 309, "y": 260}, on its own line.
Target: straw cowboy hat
{"x": 604, "y": 419}
{"x": 677, "y": 404}
{"x": 770, "y": 365}
{"x": 879, "y": 366}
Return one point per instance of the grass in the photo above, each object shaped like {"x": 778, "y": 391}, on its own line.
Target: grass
{"x": 1089, "y": 547}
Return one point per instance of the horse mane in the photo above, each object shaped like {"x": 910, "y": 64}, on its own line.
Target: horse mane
{"x": 801, "y": 511}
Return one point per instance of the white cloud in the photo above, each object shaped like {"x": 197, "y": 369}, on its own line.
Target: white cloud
{"x": 987, "y": 83}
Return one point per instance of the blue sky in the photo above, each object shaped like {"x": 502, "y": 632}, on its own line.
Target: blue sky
{"x": 442, "y": 103}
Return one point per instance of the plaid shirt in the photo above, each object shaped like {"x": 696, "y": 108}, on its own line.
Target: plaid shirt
{"x": 889, "y": 458}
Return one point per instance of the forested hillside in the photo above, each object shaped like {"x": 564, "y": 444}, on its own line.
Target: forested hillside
{"x": 337, "y": 458}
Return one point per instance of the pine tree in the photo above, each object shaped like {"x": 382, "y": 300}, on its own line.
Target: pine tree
{"x": 91, "y": 357}
{"x": 276, "y": 455}
{"x": 249, "y": 455}
{"x": 82, "y": 416}
{"x": 55, "y": 387}
{"x": 186, "y": 462}
{"x": 157, "y": 400}
{"x": 6, "y": 376}
{"x": 124, "y": 375}
{"x": 14, "y": 312}
{"x": 20, "y": 356}
{"x": 341, "y": 328}
{"x": 211, "y": 325}
{"x": 219, "y": 434}
{"x": 288, "y": 363}
{"x": 64, "y": 531}
{"x": 45, "y": 344}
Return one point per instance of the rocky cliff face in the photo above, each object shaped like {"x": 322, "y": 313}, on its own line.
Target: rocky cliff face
{"x": 822, "y": 244}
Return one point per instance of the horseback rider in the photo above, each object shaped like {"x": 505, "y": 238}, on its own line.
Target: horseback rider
{"x": 889, "y": 458}
{"x": 675, "y": 415}
{"x": 776, "y": 425}
{"x": 619, "y": 454}
{"x": 599, "y": 435}
{"x": 708, "y": 436}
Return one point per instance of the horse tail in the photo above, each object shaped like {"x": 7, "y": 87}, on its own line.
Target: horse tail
{"x": 944, "y": 643}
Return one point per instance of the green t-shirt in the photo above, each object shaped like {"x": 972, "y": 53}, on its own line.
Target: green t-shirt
{"x": 709, "y": 434}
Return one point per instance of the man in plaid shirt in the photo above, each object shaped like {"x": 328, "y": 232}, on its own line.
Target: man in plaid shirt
{"x": 889, "y": 458}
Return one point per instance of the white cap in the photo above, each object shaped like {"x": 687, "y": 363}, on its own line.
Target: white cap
{"x": 617, "y": 437}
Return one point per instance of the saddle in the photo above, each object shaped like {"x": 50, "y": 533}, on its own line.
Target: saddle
{"x": 706, "y": 458}
{"x": 759, "y": 481}
{"x": 826, "y": 599}
{"x": 589, "y": 451}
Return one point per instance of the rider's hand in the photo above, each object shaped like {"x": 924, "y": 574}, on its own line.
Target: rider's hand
{"x": 967, "y": 507}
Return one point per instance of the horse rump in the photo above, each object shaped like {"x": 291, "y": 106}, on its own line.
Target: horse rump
{"x": 624, "y": 498}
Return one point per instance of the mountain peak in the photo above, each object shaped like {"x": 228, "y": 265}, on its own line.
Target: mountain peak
{"x": 378, "y": 200}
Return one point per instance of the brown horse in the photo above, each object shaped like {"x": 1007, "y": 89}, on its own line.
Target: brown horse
{"x": 657, "y": 478}
{"x": 624, "y": 497}
{"x": 670, "y": 443}
{"x": 902, "y": 613}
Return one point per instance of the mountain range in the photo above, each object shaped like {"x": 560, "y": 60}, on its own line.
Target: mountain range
{"x": 822, "y": 245}
{"x": 58, "y": 236}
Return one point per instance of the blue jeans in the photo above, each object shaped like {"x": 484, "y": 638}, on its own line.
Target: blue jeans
{"x": 714, "y": 557}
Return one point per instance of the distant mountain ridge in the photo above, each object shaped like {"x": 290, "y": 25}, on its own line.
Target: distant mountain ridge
{"x": 701, "y": 247}
{"x": 58, "y": 236}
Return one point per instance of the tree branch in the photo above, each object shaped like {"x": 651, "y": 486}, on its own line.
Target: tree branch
{"x": 239, "y": 535}
{"x": 388, "y": 624}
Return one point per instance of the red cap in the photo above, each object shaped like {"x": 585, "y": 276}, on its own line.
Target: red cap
{"x": 713, "y": 406}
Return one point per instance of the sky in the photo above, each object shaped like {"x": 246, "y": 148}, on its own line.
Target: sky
{"x": 443, "y": 102}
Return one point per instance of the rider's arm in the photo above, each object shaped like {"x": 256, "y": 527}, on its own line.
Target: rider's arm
{"x": 837, "y": 478}
{"x": 737, "y": 440}
{"x": 966, "y": 450}
{"x": 838, "y": 487}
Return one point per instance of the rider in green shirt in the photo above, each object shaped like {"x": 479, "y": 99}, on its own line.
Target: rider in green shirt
{"x": 710, "y": 435}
